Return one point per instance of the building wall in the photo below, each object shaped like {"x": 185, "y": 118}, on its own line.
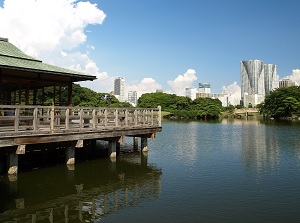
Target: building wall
{"x": 286, "y": 83}
{"x": 191, "y": 93}
{"x": 253, "y": 99}
{"x": 132, "y": 97}
{"x": 204, "y": 88}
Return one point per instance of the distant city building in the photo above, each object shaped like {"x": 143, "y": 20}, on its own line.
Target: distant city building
{"x": 119, "y": 88}
{"x": 286, "y": 83}
{"x": 159, "y": 90}
{"x": 191, "y": 93}
{"x": 207, "y": 95}
{"x": 204, "y": 88}
{"x": 257, "y": 80}
{"x": 132, "y": 97}
{"x": 271, "y": 78}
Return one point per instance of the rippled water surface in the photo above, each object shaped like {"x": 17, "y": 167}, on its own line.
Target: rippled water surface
{"x": 229, "y": 171}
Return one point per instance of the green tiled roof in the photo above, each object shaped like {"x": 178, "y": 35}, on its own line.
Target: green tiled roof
{"x": 13, "y": 58}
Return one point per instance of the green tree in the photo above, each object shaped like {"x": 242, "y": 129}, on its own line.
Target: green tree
{"x": 281, "y": 102}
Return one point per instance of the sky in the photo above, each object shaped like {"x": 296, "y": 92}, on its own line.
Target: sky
{"x": 157, "y": 44}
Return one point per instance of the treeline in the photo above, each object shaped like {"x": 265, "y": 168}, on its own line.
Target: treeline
{"x": 183, "y": 107}
{"x": 282, "y": 103}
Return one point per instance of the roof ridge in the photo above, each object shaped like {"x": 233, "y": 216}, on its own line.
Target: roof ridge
{"x": 3, "y": 39}
{"x": 23, "y": 58}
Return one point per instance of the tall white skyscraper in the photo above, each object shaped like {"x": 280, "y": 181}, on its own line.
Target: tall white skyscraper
{"x": 258, "y": 79}
{"x": 252, "y": 78}
{"x": 271, "y": 78}
{"x": 119, "y": 88}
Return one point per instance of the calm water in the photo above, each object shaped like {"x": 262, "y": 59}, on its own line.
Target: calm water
{"x": 229, "y": 171}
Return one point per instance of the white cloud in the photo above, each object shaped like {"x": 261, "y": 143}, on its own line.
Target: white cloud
{"x": 53, "y": 30}
{"x": 234, "y": 90}
{"x": 183, "y": 81}
{"x": 147, "y": 85}
{"x": 39, "y": 26}
{"x": 295, "y": 76}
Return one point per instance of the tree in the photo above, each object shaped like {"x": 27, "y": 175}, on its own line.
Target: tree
{"x": 281, "y": 102}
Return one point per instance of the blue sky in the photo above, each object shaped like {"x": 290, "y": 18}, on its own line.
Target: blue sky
{"x": 166, "y": 39}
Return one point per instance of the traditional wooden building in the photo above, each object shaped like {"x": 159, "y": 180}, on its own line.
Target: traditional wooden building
{"x": 25, "y": 120}
{"x": 22, "y": 76}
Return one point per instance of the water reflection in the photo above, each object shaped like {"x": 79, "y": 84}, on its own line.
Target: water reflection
{"x": 88, "y": 193}
{"x": 260, "y": 147}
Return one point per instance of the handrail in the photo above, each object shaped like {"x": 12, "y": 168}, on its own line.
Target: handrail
{"x": 39, "y": 119}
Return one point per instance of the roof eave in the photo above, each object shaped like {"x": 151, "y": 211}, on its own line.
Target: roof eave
{"x": 72, "y": 75}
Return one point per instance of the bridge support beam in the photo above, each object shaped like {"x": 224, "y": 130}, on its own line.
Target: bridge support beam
{"x": 112, "y": 149}
{"x": 144, "y": 144}
{"x": 135, "y": 144}
{"x": 13, "y": 163}
{"x": 70, "y": 155}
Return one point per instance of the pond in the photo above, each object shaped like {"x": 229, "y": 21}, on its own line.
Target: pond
{"x": 221, "y": 171}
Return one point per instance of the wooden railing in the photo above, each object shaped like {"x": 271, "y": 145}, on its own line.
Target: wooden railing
{"x": 39, "y": 119}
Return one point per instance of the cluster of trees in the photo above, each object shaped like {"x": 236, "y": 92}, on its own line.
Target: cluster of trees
{"x": 182, "y": 107}
{"x": 282, "y": 103}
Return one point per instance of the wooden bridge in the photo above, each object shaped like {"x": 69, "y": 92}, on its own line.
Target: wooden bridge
{"x": 22, "y": 126}
{"x": 246, "y": 112}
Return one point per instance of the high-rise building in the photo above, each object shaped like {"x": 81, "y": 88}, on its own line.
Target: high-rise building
{"x": 271, "y": 78}
{"x": 119, "y": 88}
{"x": 258, "y": 79}
{"x": 252, "y": 78}
{"x": 132, "y": 97}
{"x": 204, "y": 88}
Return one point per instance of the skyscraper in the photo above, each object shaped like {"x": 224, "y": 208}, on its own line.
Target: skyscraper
{"x": 271, "y": 78}
{"x": 252, "y": 78}
{"x": 258, "y": 79}
{"x": 119, "y": 88}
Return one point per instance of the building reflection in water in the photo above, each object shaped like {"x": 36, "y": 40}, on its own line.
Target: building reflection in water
{"x": 260, "y": 146}
{"x": 91, "y": 191}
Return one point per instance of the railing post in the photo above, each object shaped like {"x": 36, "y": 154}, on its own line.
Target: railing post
{"x": 126, "y": 117}
{"x": 117, "y": 118}
{"x": 35, "y": 119}
{"x": 52, "y": 119}
{"x": 67, "y": 121}
{"x": 105, "y": 117}
{"x": 159, "y": 116}
{"x": 152, "y": 117}
{"x": 81, "y": 118}
{"x": 94, "y": 120}
{"x": 17, "y": 115}
{"x": 144, "y": 116}
{"x": 136, "y": 117}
